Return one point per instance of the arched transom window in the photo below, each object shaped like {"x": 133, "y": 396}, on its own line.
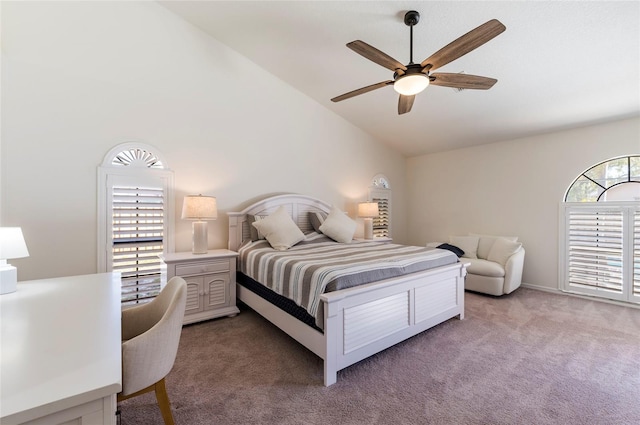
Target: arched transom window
{"x": 607, "y": 181}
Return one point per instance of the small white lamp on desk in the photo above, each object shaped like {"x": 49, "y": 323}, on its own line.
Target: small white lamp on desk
{"x": 199, "y": 208}
{"x": 11, "y": 246}
{"x": 368, "y": 210}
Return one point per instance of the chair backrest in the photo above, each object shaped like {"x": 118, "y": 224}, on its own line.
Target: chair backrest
{"x": 171, "y": 301}
{"x": 149, "y": 355}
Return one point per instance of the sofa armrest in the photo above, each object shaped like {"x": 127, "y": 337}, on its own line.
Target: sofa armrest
{"x": 513, "y": 271}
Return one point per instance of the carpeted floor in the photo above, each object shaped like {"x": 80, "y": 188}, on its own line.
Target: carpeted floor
{"x": 526, "y": 358}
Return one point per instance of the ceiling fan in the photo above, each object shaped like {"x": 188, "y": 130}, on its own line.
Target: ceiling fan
{"x": 411, "y": 79}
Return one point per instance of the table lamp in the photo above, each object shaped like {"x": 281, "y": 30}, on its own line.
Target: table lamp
{"x": 199, "y": 208}
{"x": 11, "y": 246}
{"x": 368, "y": 210}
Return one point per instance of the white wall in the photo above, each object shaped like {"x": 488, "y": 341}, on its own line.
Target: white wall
{"x": 510, "y": 188}
{"x": 81, "y": 77}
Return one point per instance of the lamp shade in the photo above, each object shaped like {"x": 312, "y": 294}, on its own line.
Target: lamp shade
{"x": 198, "y": 207}
{"x": 411, "y": 84}
{"x": 368, "y": 209}
{"x": 12, "y": 243}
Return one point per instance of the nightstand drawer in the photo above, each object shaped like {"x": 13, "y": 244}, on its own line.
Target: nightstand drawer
{"x": 202, "y": 268}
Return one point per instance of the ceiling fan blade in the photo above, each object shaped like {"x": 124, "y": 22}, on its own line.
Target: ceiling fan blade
{"x": 375, "y": 55}
{"x": 463, "y": 45}
{"x": 361, "y": 91}
{"x": 462, "y": 81}
{"x": 405, "y": 103}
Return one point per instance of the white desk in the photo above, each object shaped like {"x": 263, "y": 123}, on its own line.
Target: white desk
{"x": 61, "y": 351}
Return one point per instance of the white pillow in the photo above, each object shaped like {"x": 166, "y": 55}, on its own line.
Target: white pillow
{"x": 338, "y": 226}
{"x": 279, "y": 230}
{"x": 486, "y": 242}
{"x": 502, "y": 249}
{"x": 469, "y": 244}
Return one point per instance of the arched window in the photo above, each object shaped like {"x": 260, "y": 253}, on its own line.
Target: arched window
{"x": 600, "y": 231}
{"x": 380, "y": 192}
{"x": 607, "y": 181}
{"x": 135, "y": 218}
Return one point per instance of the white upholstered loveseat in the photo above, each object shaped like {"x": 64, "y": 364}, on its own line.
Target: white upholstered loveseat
{"x": 495, "y": 262}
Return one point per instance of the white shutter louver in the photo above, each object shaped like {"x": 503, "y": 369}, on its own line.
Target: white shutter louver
{"x": 595, "y": 250}
{"x": 138, "y": 226}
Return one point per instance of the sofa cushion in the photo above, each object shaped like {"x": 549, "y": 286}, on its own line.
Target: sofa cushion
{"x": 502, "y": 249}
{"x": 485, "y": 242}
{"x": 481, "y": 267}
{"x": 469, "y": 244}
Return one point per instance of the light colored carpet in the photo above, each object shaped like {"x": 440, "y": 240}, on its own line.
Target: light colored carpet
{"x": 527, "y": 358}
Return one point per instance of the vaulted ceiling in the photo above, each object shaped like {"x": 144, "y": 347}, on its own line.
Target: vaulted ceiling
{"x": 559, "y": 64}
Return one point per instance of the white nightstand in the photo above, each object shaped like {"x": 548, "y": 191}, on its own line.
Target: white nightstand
{"x": 211, "y": 282}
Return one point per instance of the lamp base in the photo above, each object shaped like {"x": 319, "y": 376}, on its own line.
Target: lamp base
{"x": 8, "y": 279}
{"x": 200, "y": 242}
{"x": 368, "y": 228}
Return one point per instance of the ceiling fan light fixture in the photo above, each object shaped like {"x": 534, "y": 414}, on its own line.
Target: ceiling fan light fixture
{"x": 411, "y": 84}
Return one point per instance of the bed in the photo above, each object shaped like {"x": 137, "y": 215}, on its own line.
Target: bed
{"x": 354, "y": 323}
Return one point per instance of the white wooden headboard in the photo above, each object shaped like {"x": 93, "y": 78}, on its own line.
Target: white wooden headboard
{"x": 298, "y": 206}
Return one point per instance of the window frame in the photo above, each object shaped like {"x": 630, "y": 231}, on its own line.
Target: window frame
{"x": 380, "y": 190}
{"x": 154, "y": 173}
{"x": 628, "y": 234}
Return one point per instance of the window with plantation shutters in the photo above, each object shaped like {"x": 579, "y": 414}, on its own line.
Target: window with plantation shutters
{"x": 595, "y": 249}
{"x": 380, "y": 192}
{"x": 636, "y": 255}
{"x": 600, "y": 232}
{"x": 381, "y": 223}
{"x": 137, "y": 240}
{"x": 135, "y": 215}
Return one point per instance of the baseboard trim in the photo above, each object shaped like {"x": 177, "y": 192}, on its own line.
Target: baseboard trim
{"x": 584, "y": 297}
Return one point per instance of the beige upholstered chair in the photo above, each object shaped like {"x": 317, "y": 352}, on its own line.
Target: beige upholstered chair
{"x": 150, "y": 337}
{"x": 495, "y": 262}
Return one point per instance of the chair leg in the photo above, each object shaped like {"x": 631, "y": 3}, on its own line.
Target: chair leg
{"x": 163, "y": 402}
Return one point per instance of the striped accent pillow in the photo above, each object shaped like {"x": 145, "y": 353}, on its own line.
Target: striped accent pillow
{"x": 255, "y": 233}
{"x": 317, "y": 218}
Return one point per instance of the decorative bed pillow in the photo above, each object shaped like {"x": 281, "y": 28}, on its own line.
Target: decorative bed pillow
{"x": 316, "y": 218}
{"x": 338, "y": 226}
{"x": 255, "y": 233}
{"x": 451, "y": 248}
{"x": 502, "y": 249}
{"x": 469, "y": 244}
{"x": 279, "y": 230}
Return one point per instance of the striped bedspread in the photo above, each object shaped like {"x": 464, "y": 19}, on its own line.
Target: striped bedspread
{"x": 318, "y": 264}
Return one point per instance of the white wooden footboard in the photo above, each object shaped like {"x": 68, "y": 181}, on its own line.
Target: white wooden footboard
{"x": 365, "y": 320}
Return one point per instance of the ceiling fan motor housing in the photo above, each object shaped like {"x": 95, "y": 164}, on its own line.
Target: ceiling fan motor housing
{"x": 412, "y": 17}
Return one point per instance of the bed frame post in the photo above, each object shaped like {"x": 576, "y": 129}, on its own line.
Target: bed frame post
{"x": 331, "y": 346}
{"x": 463, "y": 274}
